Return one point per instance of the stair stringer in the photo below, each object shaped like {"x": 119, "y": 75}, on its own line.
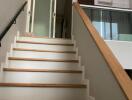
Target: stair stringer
{"x": 84, "y": 80}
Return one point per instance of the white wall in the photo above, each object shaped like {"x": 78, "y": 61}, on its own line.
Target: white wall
{"x": 123, "y": 52}
{"x": 130, "y": 2}
{"x": 114, "y": 3}
{"x": 8, "y": 9}
{"x": 103, "y": 84}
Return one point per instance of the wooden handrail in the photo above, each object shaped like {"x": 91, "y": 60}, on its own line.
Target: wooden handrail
{"x": 116, "y": 68}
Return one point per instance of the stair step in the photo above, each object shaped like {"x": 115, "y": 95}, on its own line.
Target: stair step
{"x": 49, "y": 40}
{"x": 42, "y": 37}
{"x": 43, "y": 85}
{"x": 36, "y": 50}
{"x": 44, "y": 43}
{"x": 37, "y": 93}
{"x": 44, "y": 65}
{"x": 42, "y": 59}
{"x": 41, "y": 70}
{"x": 45, "y": 47}
{"x": 43, "y": 55}
{"x": 41, "y": 77}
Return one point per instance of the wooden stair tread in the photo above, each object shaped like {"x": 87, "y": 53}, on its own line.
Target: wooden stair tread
{"x": 35, "y": 50}
{"x": 42, "y": 59}
{"x": 32, "y": 42}
{"x": 41, "y": 70}
{"x": 42, "y": 85}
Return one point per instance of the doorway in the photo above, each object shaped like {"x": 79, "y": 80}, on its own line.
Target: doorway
{"x": 50, "y": 18}
{"x": 63, "y": 18}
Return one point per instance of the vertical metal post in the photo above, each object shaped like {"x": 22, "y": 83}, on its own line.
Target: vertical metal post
{"x": 101, "y": 22}
{"x": 111, "y": 34}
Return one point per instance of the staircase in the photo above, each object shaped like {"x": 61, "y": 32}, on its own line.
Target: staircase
{"x": 42, "y": 69}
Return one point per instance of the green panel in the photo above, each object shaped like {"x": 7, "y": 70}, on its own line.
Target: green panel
{"x": 42, "y": 18}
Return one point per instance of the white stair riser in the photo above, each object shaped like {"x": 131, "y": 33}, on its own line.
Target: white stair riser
{"x": 17, "y": 93}
{"x": 41, "y": 77}
{"x": 58, "y": 41}
{"x": 43, "y": 65}
{"x": 45, "y": 47}
{"x": 48, "y": 55}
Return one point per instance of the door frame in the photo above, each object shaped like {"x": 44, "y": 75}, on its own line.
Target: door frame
{"x": 50, "y": 22}
{"x": 29, "y": 14}
{"x": 52, "y": 18}
{"x": 33, "y": 15}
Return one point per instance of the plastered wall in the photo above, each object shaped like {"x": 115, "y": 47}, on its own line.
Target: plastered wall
{"x": 8, "y": 9}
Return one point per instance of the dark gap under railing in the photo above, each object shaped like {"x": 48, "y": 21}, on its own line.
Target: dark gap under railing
{"x": 129, "y": 72}
{"x": 13, "y": 21}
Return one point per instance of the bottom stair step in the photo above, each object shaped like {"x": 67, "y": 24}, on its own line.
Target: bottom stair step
{"x": 43, "y": 85}
{"x": 29, "y": 93}
{"x": 41, "y": 77}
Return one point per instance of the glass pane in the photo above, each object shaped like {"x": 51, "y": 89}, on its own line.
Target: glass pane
{"x": 111, "y": 24}
{"x": 42, "y": 18}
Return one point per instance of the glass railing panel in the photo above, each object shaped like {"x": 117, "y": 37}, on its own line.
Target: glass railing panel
{"x": 112, "y": 24}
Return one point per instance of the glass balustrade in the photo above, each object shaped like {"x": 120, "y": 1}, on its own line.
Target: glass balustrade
{"x": 112, "y": 24}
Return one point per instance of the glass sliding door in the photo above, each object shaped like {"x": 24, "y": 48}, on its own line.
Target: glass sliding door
{"x": 42, "y": 18}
